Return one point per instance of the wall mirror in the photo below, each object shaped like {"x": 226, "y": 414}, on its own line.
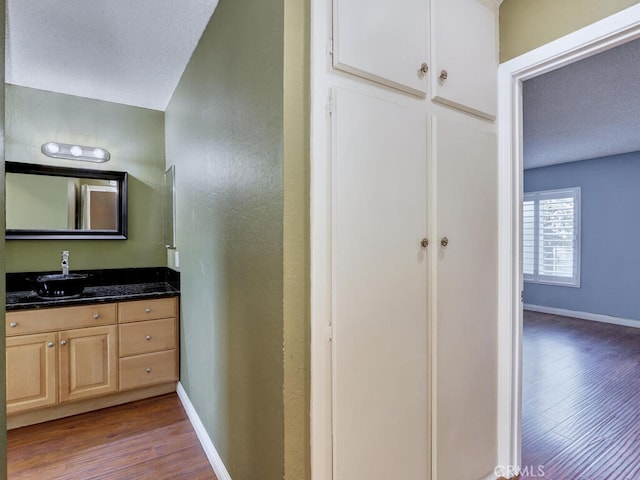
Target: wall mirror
{"x": 169, "y": 207}
{"x": 47, "y": 202}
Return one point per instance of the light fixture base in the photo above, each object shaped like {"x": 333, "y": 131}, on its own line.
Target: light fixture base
{"x": 75, "y": 152}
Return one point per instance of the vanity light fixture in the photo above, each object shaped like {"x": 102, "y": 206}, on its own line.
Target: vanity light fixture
{"x": 75, "y": 152}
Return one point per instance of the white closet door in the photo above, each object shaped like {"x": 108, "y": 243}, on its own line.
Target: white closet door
{"x": 465, "y": 320}
{"x": 380, "y": 337}
{"x": 464, "y": 45}
{"x": 381, "y": 40}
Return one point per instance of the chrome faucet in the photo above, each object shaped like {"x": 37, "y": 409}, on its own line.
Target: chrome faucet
{"x": 65, "y": 262}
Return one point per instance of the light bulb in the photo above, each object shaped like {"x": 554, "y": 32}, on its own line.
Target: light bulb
{"x": 52, "y": 147}
{"x": 76, "y": 151}
{"x": 98, "y": 153}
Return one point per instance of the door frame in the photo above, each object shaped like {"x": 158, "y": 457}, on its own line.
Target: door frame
{"x": 610, "y": 32}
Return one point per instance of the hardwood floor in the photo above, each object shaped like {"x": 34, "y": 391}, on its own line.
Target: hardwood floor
{"x": 581, "y": 399}
{"x": 147, "y": 439}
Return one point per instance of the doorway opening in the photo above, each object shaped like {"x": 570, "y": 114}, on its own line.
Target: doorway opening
{"x": 599, "y": 37}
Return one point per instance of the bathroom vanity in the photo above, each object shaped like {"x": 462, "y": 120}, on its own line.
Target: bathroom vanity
{"x": 113, "y": 344}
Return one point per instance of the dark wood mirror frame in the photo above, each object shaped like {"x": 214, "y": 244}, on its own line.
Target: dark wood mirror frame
{"x": 47, "y": 170}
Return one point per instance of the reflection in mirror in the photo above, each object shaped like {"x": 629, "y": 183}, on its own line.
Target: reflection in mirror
{"x": 99, "y": 205}
{"x": 57, "y": 202}
{"x": 170, "y": 207}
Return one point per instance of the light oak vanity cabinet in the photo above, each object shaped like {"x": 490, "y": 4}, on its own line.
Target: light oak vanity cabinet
{"x": 67, "y": 360}
{"x": 147, "y": 335}
{"x": 32, "y": 372}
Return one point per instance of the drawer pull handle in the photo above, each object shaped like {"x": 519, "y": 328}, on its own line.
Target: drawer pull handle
{"x": 148, "y": 370}
{"x": 148, "y": 337}
{"x": 13, "y": 324}
{"x": 63, "y": 342}
{"x": 147, "y": 310}
{"x": 96, "y": 316}
{"x": 50, "y": 344}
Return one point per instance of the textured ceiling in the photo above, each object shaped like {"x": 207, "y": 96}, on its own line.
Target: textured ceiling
{"x": 124, "y": 51}
{"x": 588, "y": 109}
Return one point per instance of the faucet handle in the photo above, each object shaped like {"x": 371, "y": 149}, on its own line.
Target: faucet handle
{"x": 65, "y": 262}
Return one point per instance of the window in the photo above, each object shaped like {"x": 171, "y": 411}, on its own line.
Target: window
{"x": 551, "y": 237}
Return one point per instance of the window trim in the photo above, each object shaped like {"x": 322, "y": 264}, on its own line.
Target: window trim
{"x": 535, "y": 196}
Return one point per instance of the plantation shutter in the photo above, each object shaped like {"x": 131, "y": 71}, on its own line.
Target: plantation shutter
{"x": 551, "y": 237}
{"x": 556, "y": 237}
{"x": 528, "y": 237}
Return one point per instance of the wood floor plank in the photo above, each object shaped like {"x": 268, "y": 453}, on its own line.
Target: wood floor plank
{"x": 151, "y": 438}
{"x": 580, "y": 410}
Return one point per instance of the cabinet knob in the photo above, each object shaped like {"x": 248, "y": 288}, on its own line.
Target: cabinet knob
{"x": 147, "y": 310}
{"x": 50, "y": 344}
{"x": 444, "y": 242}
{"x": 13, "y": 324}
{"x": 424, "y": 242}
{"x": 443, "y": 75}
{"x": 424, "y": 68}
{"x": 96, "y": 316}
{"x": 63, "y": 342}
{"x": 148, "y": 370}
{"x": 148, "y": 337}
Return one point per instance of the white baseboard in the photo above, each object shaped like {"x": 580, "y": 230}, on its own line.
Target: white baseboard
{"x": 595, "y": 317}
{"x": 209, "y": 449}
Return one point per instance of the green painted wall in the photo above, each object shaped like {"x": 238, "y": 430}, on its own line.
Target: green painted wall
{"x": 3, "y": 388}
{"x": 135, "y": 138}
{"x": 224, "y": 134}
{"x": 297, "y": 336}
{"x": 36, "y": 201}
{"x": 528, "y": 24}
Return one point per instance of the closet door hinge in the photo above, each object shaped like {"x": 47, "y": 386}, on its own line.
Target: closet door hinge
{"x": 330, "y": 46}
{"x": 521, "y": 296}
{"x": 330, "y": 333}
{"x": 330, "y": 104}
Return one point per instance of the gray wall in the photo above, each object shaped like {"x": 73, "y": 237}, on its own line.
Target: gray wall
{"x": 610, "y": 260}
{"x": 135, "y": 138}
{"x": 224, "y": 133}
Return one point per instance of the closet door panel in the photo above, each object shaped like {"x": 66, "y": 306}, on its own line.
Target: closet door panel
{"x": 464, "y": 45}
{"x": 465, "y": 320}
{"x": 380, "y": 337}
{"x": 382, "y": 41}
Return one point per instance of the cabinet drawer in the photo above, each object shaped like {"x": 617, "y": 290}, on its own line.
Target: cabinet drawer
{"x": 144, "y": 337}
{"x": 147, "y": 369}
{"x": 61, "y": 318}
{"x": 147, "y": 309}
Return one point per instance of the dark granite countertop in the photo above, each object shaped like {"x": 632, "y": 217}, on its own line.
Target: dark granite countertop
{"x": 145, "y": 287}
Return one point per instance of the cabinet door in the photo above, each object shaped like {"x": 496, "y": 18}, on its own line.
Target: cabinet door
{"x": 464, "y": 45}
{"x": 32, "y": 379}
{"x": 465, "y": 320}
{"x": 380, "y": 337}
{"x": 382, "y": 41}
{"x": 88, "y": 362}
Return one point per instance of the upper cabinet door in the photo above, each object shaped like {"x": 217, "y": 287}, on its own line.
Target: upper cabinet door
{"x": 383, "y": 41}
{"x": 464, "y": 55}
